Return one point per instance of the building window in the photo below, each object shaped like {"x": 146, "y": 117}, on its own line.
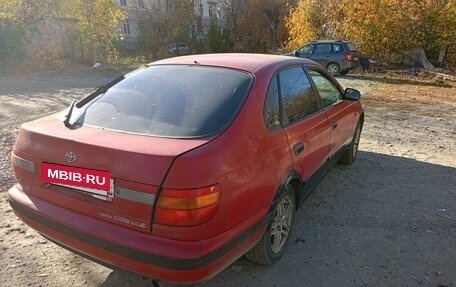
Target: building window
{"x": 126, "y": 27}
{"x": 123, "y": 2}
{"x": 201, "y": 10}
{"x": 141, "y": 4}
{"x": 212, "y": 10}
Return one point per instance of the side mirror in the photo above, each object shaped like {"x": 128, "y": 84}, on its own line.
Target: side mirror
{"x": 352, "y": 94}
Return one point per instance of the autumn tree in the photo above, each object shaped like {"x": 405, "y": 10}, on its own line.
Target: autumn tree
{"x": 165, "y": 22}
{"x": 98, "y": 24}
{"x": 10, "y": 33}
{"x": 36, "y": 31}
{"x": 305, "y": 22}
{"x": 378, "y": 27}
{"x": 8, "y": 9}
{"x": 256, "y": 25}
{"x": 47, "y": 30}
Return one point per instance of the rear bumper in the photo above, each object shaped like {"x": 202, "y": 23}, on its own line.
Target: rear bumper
{"x": 152, "y": 256}
{"x": 347, "y": 66}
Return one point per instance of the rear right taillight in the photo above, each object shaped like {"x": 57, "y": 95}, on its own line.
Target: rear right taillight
{"x": 348, "y": 57}
{"x": 187, "y": 207}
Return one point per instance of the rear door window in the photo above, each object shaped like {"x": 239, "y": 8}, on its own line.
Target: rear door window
{"x": 298, "y": 97}
{"x": 322, "y": 49}
{"x": 336, "y": 48}
{"x": 272, "y": 106}
{"x": 171, "y": 101}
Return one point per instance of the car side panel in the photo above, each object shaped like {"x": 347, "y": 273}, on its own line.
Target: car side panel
{"x": 314, "y": 134}
{"x": 323, "y": 58}
{"x": 341, "y": 117}
{"x": 249, "y": 170}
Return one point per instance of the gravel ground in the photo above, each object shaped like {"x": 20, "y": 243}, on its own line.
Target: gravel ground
{"x": 388, "y": 220}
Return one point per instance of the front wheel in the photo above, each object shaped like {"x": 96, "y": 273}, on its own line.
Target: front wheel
{"x": 272, "y": 245}
{"x": 350, "y": 154}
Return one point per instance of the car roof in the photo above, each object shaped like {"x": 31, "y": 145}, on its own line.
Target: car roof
{"x": 329, "y": 41}
{"x": 240, "y": 61}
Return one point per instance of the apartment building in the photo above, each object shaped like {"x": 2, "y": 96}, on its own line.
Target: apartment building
{"x": 206, "y": 10}
{"x": 135, "y": 10}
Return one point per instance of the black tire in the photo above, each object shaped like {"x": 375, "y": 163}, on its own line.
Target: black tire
{"x": 333, "y": 69}
{"x": 274, "y": 241}
{"x": 349, "y": 156}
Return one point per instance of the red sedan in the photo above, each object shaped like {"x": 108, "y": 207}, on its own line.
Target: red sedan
{"x": 177, "y": 169}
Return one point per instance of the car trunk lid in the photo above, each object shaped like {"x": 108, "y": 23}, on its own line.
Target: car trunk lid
{"x": 135, "y": 165}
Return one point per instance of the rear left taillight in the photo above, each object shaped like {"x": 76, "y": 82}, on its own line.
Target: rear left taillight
{"x": 23, "y": 164}
{"x": 187, "y": 207}
{"x": 348, "y": 57}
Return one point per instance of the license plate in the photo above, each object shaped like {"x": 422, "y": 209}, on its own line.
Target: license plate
{"x": 96, "y": 182}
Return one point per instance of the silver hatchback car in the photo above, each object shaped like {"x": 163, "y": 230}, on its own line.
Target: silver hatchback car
{"x": 338, "y": 57}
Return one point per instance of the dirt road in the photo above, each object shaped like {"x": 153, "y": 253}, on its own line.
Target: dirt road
{"x": 388, "y": 220}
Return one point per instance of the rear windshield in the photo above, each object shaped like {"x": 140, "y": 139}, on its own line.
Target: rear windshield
{"x": 171, "y": 101}
{"x": 351, "y": 48}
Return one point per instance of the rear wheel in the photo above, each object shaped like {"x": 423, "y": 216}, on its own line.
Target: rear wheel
{"x": 333, "y": 69}
{"x": 350, "y": 154}
{"x": 272, "y": 245}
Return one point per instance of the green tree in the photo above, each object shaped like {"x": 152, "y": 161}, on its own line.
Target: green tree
{"x": 215, "y": 38}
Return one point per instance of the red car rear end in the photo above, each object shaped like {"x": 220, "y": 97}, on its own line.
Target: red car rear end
{"x": 171, "y": 172}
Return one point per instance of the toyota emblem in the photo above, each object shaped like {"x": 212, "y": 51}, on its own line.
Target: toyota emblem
{"x": 70, "y": 157}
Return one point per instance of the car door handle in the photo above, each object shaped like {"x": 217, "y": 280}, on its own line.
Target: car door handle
{"x": 334, "y": 125}
{"x": 298, "y": 148}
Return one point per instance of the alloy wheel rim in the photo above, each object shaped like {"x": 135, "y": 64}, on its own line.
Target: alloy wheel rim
{"x": 332, "y": 69}
{"x": 281, "y": 224}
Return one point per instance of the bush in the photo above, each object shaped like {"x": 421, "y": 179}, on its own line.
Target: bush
{"x": 11, "y": 51}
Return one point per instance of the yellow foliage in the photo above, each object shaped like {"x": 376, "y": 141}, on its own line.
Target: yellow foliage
{"x": 303, "y": 24}
{"x": 377, "y": 27}
{"x": 8, "y": 9}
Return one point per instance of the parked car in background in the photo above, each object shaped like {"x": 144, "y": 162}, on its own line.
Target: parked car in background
{"x": 179, "y": 48}
{"x": 338, "y": 57}
{"x": 176, "y": 170}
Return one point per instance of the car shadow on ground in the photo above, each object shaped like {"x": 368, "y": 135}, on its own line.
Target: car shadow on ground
{"x": 390, "y": 79}
{"x": 384, "y": 221}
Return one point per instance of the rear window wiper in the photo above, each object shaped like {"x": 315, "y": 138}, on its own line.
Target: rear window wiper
{"x": 66, "y": 121}
{"x": 100, "y": 90}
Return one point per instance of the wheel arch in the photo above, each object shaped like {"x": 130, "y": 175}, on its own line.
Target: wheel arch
{"x": 332, "y": 62}
{"x": 295, "y": 181}
{"x": 361, "y": 119}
